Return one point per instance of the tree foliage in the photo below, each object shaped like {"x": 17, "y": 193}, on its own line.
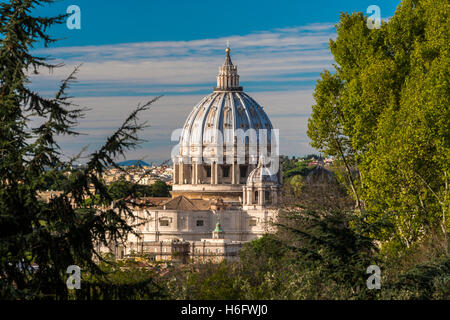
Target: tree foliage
{"x": 40, "y": 239}
{"x": 122, "y": 189}
{"x": 384, "y": 113}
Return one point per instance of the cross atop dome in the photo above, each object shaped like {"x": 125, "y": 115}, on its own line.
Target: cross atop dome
{"x": 228, "y": 78}
{"x": 228, "y": 58}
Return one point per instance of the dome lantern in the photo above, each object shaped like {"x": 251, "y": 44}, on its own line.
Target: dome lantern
{"x": 228, "y": 78}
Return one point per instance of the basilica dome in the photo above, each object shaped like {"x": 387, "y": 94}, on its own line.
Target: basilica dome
{"x": 221, "y": 141}
{"x": 220, "y": 111}
{"x": 215, "y": 121}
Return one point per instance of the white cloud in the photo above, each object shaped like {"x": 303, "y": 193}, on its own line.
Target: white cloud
{"x": 259, "y": 56}
{"x": 288, "y": 110}
{"x": 115, "y": 78}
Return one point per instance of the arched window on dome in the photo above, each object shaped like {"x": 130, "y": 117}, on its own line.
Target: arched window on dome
{"x": 211, "y": 116}
{"x": 256, "y": 197}
{"x": 227, "y": 116}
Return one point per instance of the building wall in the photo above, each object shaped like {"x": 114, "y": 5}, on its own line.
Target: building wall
{"x": 214, "y": 250}
{"x": 238, "y": 225}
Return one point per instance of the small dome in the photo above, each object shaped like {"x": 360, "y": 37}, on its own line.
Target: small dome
{"x": 218, "y": 228}
{"x": 261, "y": 174}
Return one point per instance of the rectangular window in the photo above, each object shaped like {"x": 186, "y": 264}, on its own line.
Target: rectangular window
{"x": 199, "y": 223}
{"x": 226, "y": 171}
{"x": 243, "y": 171}
{"x": 208, "y": 171}
{"x": 267, "y": 197}
{"x": 164, "y": 223}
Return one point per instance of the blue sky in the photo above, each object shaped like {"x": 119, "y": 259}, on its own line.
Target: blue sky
{"x": 132, "y": 51}
{"x": 118, "y": 21}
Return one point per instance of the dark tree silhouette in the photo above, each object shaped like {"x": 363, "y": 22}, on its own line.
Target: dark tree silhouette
{"x": 62, "y": 231}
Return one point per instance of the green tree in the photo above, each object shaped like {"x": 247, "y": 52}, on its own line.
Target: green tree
{"x": 204, "y": 281}
{"x": 160, "y": 189}
{"x": 54, "y": 234}
{"x": 264, "y": 269}
{"x": 384, "y": 112}
{"x": 122, "y": 189}
{"x": 330, "y": 250}
{"x": 326, "y": 129}
{"x": 130, "y": 279}
{"x": 299, "y": 168}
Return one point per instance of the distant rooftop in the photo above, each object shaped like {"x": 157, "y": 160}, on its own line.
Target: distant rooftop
{"x": 129, "y": 163}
